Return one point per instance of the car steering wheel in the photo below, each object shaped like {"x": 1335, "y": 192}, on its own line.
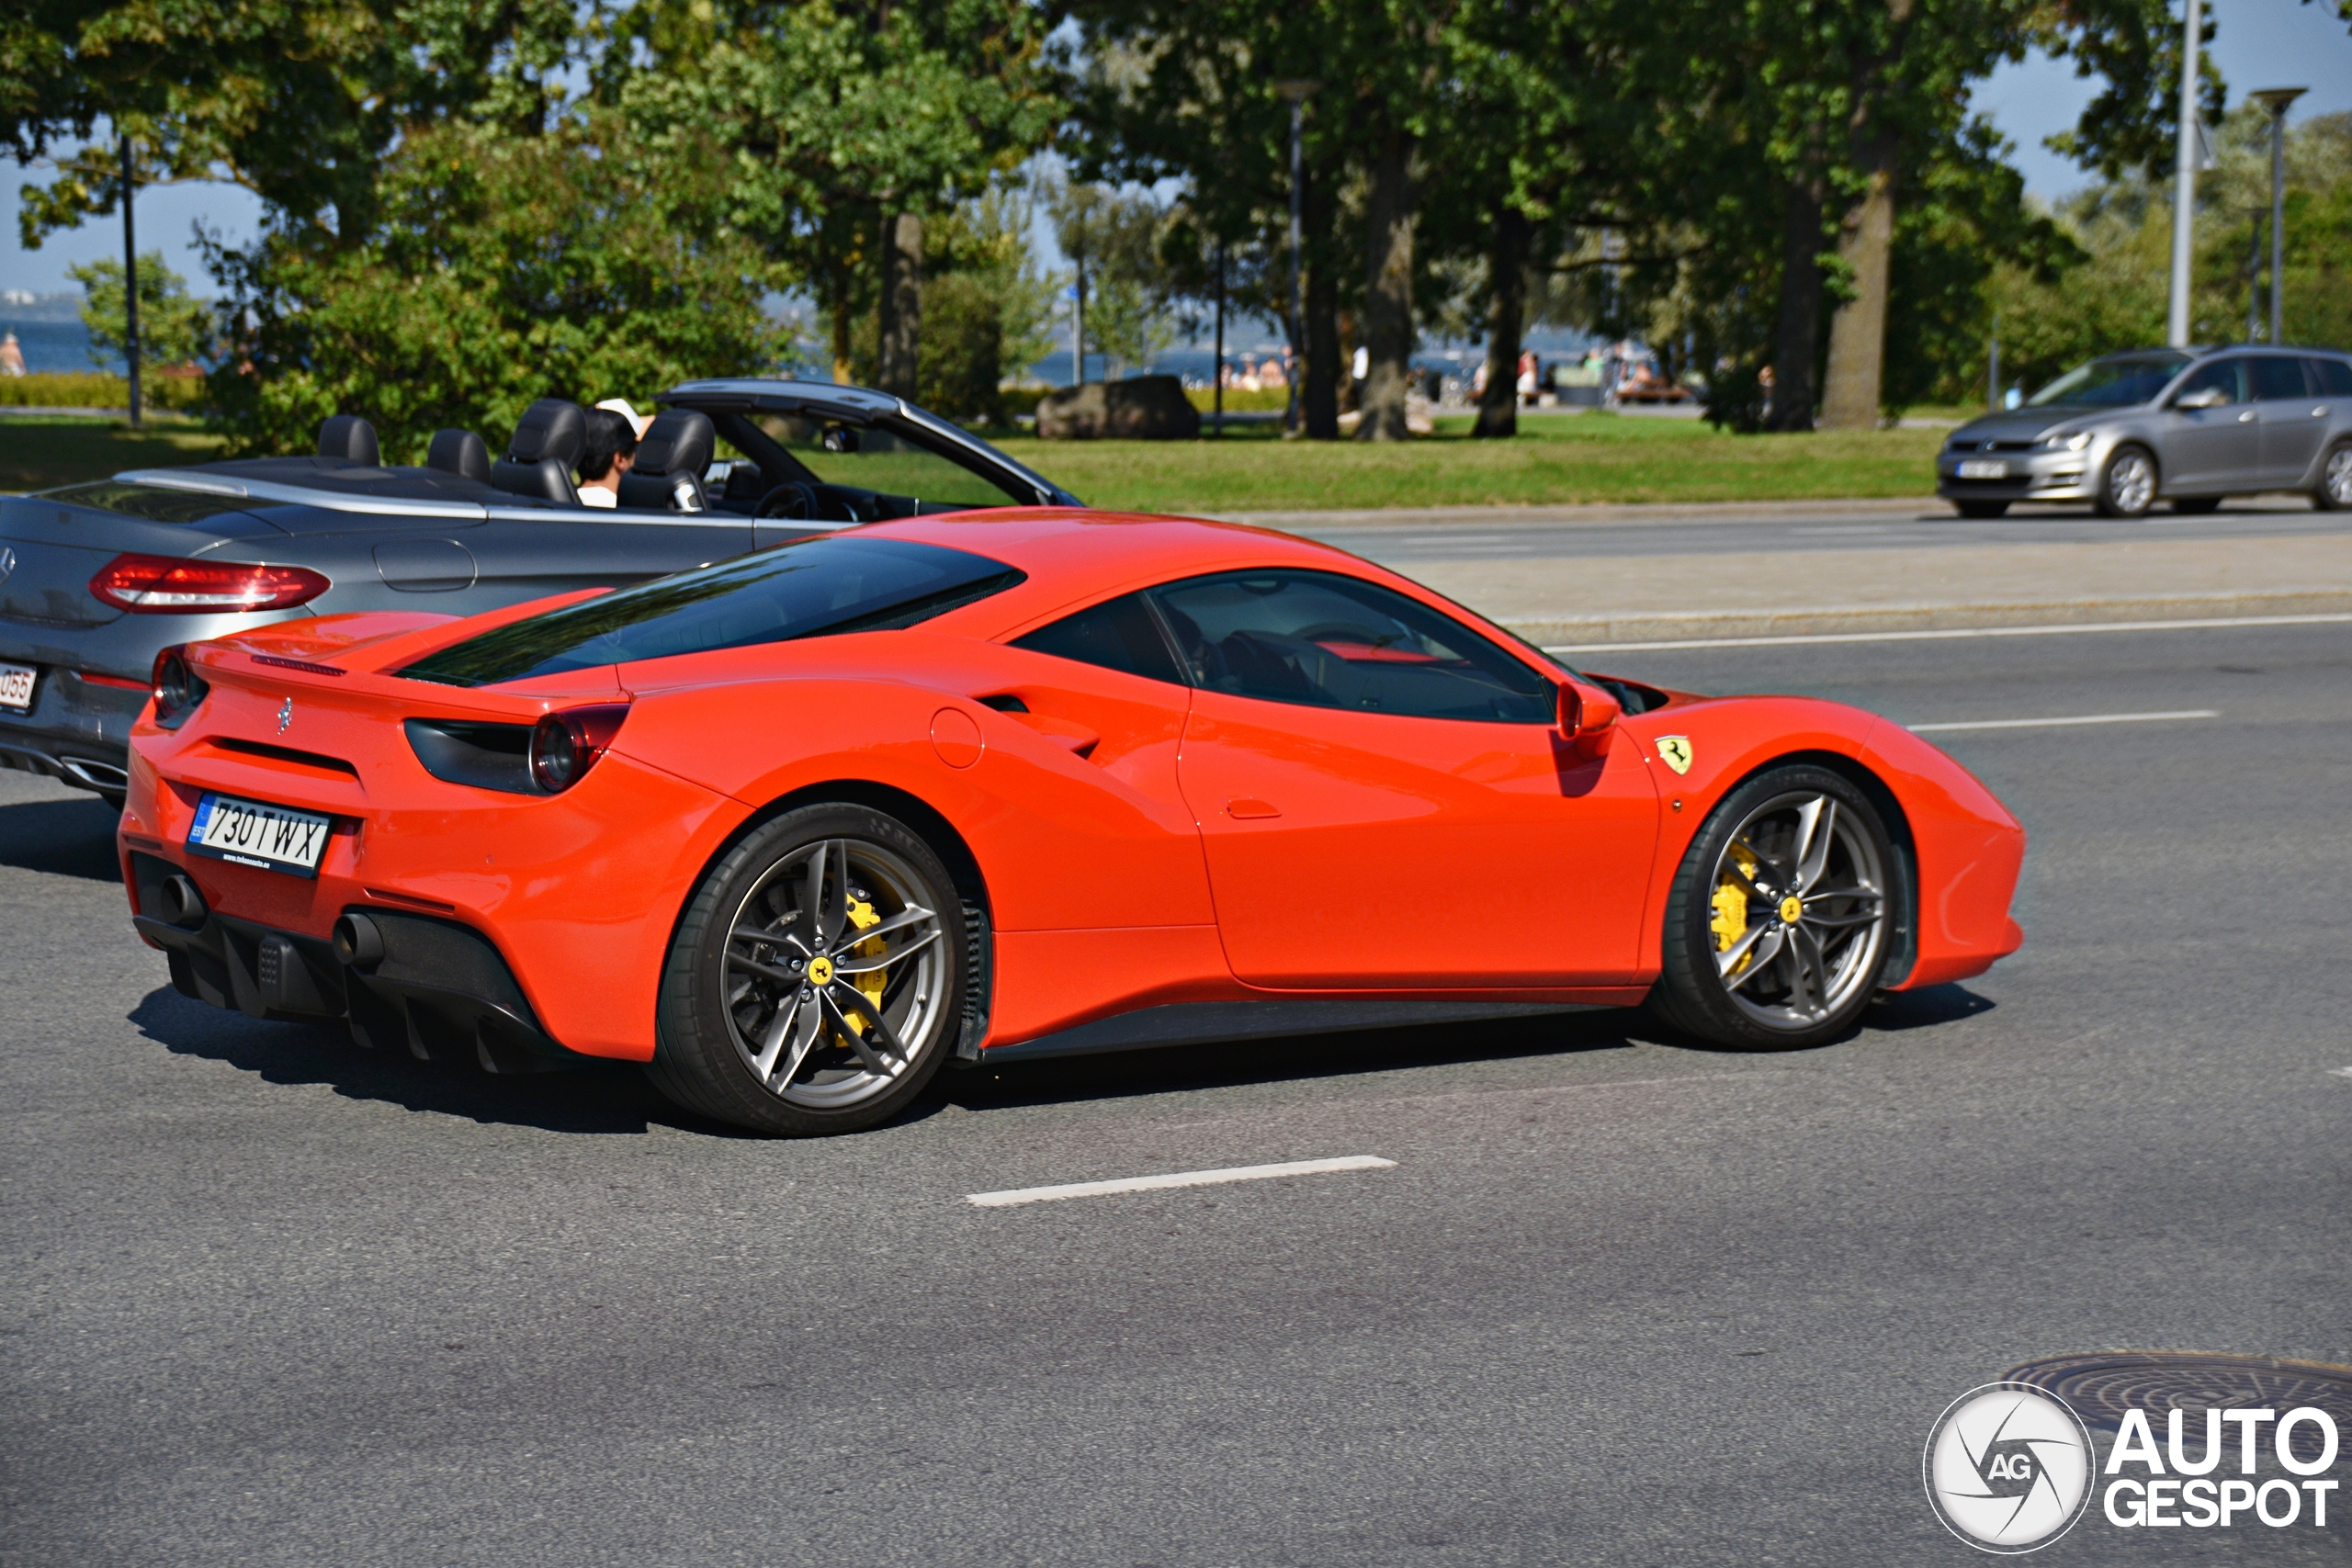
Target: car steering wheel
{"x": 791, "y": 499}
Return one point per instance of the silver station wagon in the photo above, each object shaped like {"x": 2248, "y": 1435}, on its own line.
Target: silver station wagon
{"x": 2187, "y": 426}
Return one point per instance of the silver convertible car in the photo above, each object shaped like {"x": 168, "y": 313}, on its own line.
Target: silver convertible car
{"x": 96, "y": 579}
{"x": 2187, "y": 426}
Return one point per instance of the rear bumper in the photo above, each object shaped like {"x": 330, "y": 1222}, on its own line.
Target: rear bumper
{"x": 441, "y": 990}
{"x": 78, "y": 731}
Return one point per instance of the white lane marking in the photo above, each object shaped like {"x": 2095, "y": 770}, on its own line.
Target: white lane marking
{"x": 1943, "y": 636}
{"x": 2081, "y": 718}
{"x": 2341, "y": 1072}
{"x": 1181, "y": 1179}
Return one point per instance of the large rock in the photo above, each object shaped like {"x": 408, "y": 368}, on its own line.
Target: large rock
{"x": 1141, "y": 408}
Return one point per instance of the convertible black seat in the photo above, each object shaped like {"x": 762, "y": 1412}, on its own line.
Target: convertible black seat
{"x": 547, "y": 447}
{"x": 671, "y": 458}
{"x": 351, "y": 439}
{"x": 460, "y": 452}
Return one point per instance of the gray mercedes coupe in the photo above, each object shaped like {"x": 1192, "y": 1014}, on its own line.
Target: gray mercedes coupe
{"x": 2187, "y": 426}
{"x": 96, "y": 579}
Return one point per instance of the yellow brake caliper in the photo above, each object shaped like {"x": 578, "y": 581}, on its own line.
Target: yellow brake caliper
{"x": 862, "y": 916}
{"x": 1730, "y": 904}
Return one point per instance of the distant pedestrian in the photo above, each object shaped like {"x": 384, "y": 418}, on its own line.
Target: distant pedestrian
{"x": 12, "y": 358}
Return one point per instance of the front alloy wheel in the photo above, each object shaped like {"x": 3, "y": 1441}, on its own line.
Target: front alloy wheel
{"x": 2335, "y": 492}
{"x": 2127, "y": 486}
{"x": 1783, "y": 915}
{"x": 816, "y": 982}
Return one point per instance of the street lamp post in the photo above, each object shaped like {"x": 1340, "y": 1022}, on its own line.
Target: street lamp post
{"x": 2276, "y": 100}
{"x": 130, "y": 285}
{"x": 1296, "y": 92}
{"x": 2184, "y": 199}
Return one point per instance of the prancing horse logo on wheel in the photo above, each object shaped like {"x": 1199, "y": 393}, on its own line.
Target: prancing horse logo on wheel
{"x": 1675, "y": 750}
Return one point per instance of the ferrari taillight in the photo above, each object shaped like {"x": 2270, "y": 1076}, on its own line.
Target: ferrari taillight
{"x": 566, "y": 743}
{"x": 178, "y": 688}
{"x": 163, "y": 585}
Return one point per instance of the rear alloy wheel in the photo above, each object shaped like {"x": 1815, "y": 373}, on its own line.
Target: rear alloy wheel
{"x": 817, "y": 979}
{"x": 2127, "y": 486}
{"x": 2335, "y": 491}
{"x": 1781, "y": 916}
{"x": 1981, "y": 510}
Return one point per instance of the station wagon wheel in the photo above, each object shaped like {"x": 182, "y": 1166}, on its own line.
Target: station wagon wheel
{"x": 816, "y": 982}
{"x": 2127, "y": 486}
{"x": 2335, "y": 491}
{"x": 1783, "y": 915}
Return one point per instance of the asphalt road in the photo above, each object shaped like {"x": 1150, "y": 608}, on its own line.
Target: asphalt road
{"x": 1789, "y": 527}
{"x": 271, "y": 1300}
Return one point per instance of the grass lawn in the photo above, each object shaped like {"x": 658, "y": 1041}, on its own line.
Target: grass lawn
{"x": 1554, "y": 460}
{"x": 38, "y": 452}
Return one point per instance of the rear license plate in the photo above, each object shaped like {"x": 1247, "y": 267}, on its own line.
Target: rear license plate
{"x": 17, "y": 687}
{"x": 248, "y": 832}
{"x": 1984, "y": 470}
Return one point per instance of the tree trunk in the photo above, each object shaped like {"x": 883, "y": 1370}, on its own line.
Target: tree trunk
{"x": 1319, "y": 391}
{"x": 1505, "y": 323}
{"x": 1857, "y": 332}
{"x": 901, "y": 303}
{"x": 1796, "y": 339}
{"x": 844, "y": 365}
{"x": 1389, "y": 289}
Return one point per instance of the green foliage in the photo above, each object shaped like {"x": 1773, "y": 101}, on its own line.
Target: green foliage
{"x": 98, "y": 390}
{"x": 2117, "y": 297}
{"x": 1115, "y": 237}
{"x": 961, "y": 360}
{"x": 297, "y": 100}
{"x": 503, "y": 270}
{"x": 173, "y": 329}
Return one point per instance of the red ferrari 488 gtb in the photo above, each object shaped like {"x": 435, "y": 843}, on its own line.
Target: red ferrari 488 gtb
{"x": 795, "y": 828}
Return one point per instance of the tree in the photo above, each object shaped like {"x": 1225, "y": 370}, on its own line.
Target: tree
{"x": 839, "y": 121}
{"x": 174, "y": 328}
{"x": 501, "y": 270}
{"x": 297, "y": 100}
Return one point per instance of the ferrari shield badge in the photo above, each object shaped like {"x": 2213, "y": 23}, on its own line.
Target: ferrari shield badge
{"x": 1675, "y": 752}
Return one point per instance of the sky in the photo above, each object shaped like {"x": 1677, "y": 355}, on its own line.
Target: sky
{"x": 2258, "y": 43}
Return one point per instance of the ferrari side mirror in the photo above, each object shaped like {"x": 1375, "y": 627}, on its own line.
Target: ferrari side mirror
{"x": 2203, "y": 398}
{"x": 1587, "y": 717}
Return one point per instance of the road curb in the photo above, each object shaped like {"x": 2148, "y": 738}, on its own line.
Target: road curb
{"x": 1833, "y": 619}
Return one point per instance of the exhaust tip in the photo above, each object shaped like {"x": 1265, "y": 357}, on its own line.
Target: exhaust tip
{"x": 357, "y": 942}
{"x": 183, "y": 906}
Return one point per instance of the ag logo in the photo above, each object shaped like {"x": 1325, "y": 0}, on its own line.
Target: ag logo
{"x": 2009, "y": 1468}
{"x": 1675, "y": 750}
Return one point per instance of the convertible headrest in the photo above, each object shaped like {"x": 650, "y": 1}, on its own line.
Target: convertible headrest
{"x": 550, "y": 428}
{"x": 460, "y": 452}
{"x": 678, "y": 441}
{"x": 351, "y": 439}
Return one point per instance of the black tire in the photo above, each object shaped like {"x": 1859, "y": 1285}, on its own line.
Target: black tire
{"x": 2196, "y": 505}
{"x": 870, "y": 1041}
{"x": 1981, "y": 510}
{"x": 2333, "y": 493}
{"x": 1851, "y": 942}
{"x": 2128, "y": 484}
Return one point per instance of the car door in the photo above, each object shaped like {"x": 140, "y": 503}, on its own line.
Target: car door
{"x": 2293, "y": 417}
{"x": 1384, "y": 800}
{"x": 2215, "y": 446}
{"x": 524, "y": 552}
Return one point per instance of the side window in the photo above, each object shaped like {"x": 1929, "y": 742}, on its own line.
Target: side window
{"x": 2277, "y": 378}
{"x": 2331, "y": 376}
{"x": 1120, "y": 635}
{"x": 1324, "y": 640}
{"x": 2224, "y": 376}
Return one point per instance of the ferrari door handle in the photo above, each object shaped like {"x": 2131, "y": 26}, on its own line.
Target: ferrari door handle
{"x": 1247, "y": 809}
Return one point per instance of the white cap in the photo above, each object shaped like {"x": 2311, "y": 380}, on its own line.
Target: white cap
{"x": 638, "y": 421}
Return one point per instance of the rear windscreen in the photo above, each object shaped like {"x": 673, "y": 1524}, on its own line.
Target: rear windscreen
{"x": 828, "y": 585}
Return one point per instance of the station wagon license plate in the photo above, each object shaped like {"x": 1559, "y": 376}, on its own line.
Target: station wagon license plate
{"x": 1981, "y": 468}
{"x": 250, "y": 832}
{"x": 17, "y": 687}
